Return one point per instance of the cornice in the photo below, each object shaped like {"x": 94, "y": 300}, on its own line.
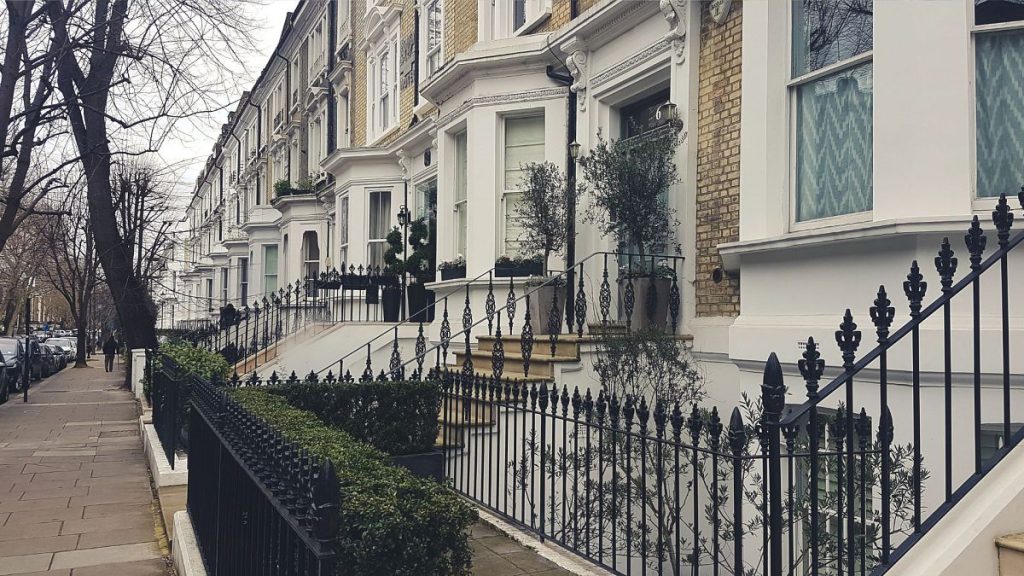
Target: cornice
{"x": 525, "y": 96}
{"x": 631, "y": 62}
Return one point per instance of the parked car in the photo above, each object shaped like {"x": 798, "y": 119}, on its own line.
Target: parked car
{"x": 13, "y": 350}
{"x": 47, "y": 360}
{"x": 61, "y": 355}
{"x": 70, "y": 345}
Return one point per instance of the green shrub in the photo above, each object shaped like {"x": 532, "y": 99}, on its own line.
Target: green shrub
{"x": 188, "y": 359}
{"x": 396, "y": 417}
{"x": 392, "y": 523}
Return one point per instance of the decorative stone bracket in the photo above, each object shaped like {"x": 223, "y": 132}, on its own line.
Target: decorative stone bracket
{"x": 675, "y": 14}
{"x": 577, "y": 65}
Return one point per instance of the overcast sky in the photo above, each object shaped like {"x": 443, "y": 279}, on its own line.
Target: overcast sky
{"x": 184, "y": 156}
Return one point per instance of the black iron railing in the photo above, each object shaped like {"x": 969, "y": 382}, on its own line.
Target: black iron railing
{"x": 939, "y": 390}
{"x": 165, "y": 382}
{"x": 259, "y": 504}
{"x": 609, "y": 288}
{"x": 355, "y": 294}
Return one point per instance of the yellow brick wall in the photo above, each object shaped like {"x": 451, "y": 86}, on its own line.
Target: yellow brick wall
{"x": 357, "y": 98}
{"x": 459, "y": 26}
{"x": 718, "y": 159}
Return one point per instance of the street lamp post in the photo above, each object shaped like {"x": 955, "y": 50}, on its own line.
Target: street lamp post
{"x": 403, "y": 220}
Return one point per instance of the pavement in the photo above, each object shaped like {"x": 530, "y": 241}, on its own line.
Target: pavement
{"x": 495, "y": 554}
{"x": 75, "y": 492}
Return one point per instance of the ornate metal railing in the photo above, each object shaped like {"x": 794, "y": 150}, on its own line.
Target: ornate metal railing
{"x": 973, "y": 417}
{"x": 165, "y": 383}
{"x": 259, "y": 503}
{"x": 355, "y": 294}
{"x": 648, "y": 295}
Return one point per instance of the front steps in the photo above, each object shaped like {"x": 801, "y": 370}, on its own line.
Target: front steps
{"x": 1011, "y": 554}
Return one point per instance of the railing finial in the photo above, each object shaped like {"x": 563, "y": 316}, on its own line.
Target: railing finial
{"x": 811, "y": 367}
{"x": 882, "y": 314}
{"x": 975, "y": 240}
{"x": 1002, "y": 218}
{"x": 915, "y": 288}
{"x": 945, "y": 265}
{"x": 848, "y": 339}
{"x": 773, "y": 389}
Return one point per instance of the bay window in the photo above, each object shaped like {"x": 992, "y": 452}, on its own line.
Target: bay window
{"x": 524, "y": 143}
{"x": 831, "y": 95}
{"x": 999, "y": 112}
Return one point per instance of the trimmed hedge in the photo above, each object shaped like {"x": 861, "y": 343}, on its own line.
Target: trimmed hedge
{"x": 189, "y": 360}
{"x": 392, "y": 523}
{"x": 396, "y": 417}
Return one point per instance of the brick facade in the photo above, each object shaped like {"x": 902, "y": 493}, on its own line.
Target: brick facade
{"x": 718, "y": 159}
{"x": 460, "y": 26}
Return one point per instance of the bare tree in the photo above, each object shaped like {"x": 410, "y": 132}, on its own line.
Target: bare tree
{"x": 143, "y": 208}
{"x": 19, "y": 259}
{"x": 71, "y": 266}
{"x": 127, "y": 69}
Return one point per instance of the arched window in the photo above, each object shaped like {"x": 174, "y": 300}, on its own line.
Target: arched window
{"x": 310, "y": 255}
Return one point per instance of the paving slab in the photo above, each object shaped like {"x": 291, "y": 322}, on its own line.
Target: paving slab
{"x": 75, "y": 494}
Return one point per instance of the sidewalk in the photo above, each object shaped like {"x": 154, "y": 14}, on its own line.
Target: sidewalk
{"x": 75, "y": 497}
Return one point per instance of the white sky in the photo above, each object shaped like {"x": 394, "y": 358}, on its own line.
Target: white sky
{"x": 184, "y": 155}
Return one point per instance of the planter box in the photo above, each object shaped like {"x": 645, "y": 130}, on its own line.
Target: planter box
{"x": 391, "y": 302}
{"x": 421, "y": 303}
{"x": 453, "y": 273}
{"x": 650, "y": 302}
{"x": 516, "y": 270}
{"x": 540, "y": 309}
{"x": 428, "y": 465}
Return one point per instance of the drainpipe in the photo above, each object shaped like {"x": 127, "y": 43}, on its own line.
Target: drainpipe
{"x": 287, "y": 95}
{"x": 416, "y": 57}
{"x": 332, "y": 107}
{"x": 574, "y": 9}
{"x": 570, "y": 203}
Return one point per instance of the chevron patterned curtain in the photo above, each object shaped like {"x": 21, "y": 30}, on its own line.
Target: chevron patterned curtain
{"x": 833, "y": 152}
{"x": 1000, "y": 112}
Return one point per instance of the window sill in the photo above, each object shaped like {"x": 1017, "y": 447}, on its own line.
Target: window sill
{"x": 733, "y": 252}
{"x": 831, "y": 221}
{"x": 532, "y": 24}
{"x": 386, "y": 133}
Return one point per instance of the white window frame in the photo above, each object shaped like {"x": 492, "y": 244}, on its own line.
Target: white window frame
{"x": 981, "y": 203}
{"x": 380, "y": 88}
{"x": 370, "y": 240}
{"x": 433, "y": 58}
{"x": 243, "y": 280}
{"x": 343, "y": 231}
{"x": 506, "y": 192}
{"x": 267, "y": 272}
{"x": 793, "y": 85}
{"x": 460, "y": 240}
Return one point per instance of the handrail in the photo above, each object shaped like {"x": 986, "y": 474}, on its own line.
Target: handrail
{"x": 408, "y": 319}
{"x": 466, "y": 332}
{"x": 905, "y": 329}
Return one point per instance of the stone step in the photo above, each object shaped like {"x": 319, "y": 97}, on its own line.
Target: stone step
{"x": 542, "y": 363}
{"x": 567, "y": 345}
{"x": 1011, "y": 554}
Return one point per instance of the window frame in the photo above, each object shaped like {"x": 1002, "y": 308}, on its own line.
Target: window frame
{"x": 266, "y": 269}
{"x": 386, "y": 52}
{"x": 980, "y": 203}
{"x": 506, "y": 192}
{"x": 243, "y": 279}
{"x": 793, "y": 85}
{"x": 433, "y": 58}
{"x": 343, "y": 231}
{"x": 371, "y": 242}
{"x": 460, "y": 240}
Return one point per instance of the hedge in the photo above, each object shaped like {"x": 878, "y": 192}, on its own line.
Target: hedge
{"x": 188, "y": 359}
{"x": 392, "y": 523}
{"x": 396, "y": 417}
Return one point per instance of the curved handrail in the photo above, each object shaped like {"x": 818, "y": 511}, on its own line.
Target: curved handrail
{"x": 408, "y": 320}
{"x": 557, "y": 279}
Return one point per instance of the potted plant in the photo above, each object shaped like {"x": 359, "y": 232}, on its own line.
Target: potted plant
{"x": 629, "y": 180}
{"x": 282, "y": 188}
{"x": 651, "y": 284}
{"x": 304, "y": 185}
{"x": 453, "y": 269}
{"x": 418, "y": 265}
{"x": 547, "y": 303}
{"x": 391, "y": 296}
{"x": 542, "y": 211}
{"x": 506, "y": 266}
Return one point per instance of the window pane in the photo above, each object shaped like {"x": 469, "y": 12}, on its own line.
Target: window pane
{"x": 524, "y": 143}
{"x": 270, "y": 267}
{"x": 829, "y": 31}
{"x": 999, "y": 112}
{"x": 518, "y": 14}
{"x": 343, "y": 222}
{"x": 460, "y": 227}
{"x": 997, "y": 11}
{"x": 380, "y": 214}
{"x": 461, "y": 167}
{"x": 513, "y": 225}
{"x": 833, "y": 144}
{"x": 426, "y": 198}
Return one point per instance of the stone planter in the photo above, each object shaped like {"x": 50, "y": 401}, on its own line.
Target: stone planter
{"x": 541, "y": 301}
{"x": 650, "y": 302}
{"x": 428, "y": 465}
{"x": 421, "y": 303}
{"x": 391, "y": 303}
{"x": 517, "y": 270}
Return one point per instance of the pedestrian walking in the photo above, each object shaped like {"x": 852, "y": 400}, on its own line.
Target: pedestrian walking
{"x": 109, "y": 349}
